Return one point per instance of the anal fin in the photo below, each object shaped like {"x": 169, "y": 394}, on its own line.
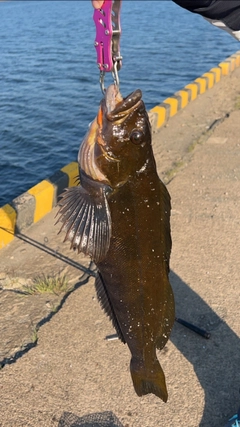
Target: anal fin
{"x": 106, "y": 305}
{"x": 168, "y": 318}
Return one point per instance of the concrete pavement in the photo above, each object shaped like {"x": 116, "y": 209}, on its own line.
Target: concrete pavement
{"x": 70, "y": 366}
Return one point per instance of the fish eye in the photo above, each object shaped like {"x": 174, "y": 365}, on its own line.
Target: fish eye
{"x": 136, "y": 136}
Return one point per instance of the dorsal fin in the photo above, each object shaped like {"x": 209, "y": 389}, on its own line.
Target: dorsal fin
{"x": 106, "y": 305}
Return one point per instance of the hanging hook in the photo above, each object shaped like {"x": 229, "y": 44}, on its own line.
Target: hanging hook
{"x": 101, "y": 80}
{"x": 114, "y": 75}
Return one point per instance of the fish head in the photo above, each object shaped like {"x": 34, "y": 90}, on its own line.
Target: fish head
{"x": 120, "y": 138}
{"x": 123, "y": 136}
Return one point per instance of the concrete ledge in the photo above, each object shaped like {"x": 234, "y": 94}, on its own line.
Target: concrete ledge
{"x": 39, "y": 200}
{"x": 35, "y": 203}
{"x": 160, "y": 114}
{"x": 24, "y": 207}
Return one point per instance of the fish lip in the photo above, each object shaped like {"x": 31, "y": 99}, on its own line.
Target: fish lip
{"x": 114, "y": 109}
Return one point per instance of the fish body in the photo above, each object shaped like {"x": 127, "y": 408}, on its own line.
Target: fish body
{"x": 120, "y": 216}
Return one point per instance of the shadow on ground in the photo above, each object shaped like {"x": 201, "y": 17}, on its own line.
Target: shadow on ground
{"x": 215, "y": 361}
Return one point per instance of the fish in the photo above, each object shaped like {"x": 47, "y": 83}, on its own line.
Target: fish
{"x": 119, "y": 215}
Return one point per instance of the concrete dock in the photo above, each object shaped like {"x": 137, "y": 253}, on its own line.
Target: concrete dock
{"x": 58, "y": 366}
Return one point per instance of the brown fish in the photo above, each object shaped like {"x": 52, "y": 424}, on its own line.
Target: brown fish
{"x": 120, "y": 217}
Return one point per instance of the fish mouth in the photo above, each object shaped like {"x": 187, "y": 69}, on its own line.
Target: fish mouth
{"x": 115, "y": 107}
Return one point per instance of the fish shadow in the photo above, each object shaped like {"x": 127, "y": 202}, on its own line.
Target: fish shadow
{"x": 216, "y": 360}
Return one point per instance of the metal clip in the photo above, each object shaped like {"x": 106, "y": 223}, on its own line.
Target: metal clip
{"x": 107, "y": 41}
{"x": 114, "y": 75}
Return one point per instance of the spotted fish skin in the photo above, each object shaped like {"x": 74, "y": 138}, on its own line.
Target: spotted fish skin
{"x": 120, "y": 216}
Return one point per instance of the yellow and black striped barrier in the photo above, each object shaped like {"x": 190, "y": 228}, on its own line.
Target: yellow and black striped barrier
{"x": 33, "y": 205}
{"x": 160, "y": 114}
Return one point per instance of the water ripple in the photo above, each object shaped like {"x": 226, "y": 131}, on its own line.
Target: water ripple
{"x": 49, "y": 89}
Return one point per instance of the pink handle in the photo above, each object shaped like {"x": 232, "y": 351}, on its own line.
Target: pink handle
{"x": 103, "y": 41}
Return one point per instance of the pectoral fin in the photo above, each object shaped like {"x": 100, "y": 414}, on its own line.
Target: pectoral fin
{"x": 86, "y": 219}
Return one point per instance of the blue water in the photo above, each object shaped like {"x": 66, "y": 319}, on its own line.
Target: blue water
{"x": 49, "y": 88}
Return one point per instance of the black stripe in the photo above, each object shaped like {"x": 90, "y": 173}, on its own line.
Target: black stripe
{"x": 60, "y": 180}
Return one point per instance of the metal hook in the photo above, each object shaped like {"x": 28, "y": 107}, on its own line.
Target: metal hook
{"x": 114, "y": 75}
{"x": 101, "y": 80}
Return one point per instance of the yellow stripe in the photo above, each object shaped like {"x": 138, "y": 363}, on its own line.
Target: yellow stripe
{"x": 43, "y": 193}
{"x": 194, "y": 90}
{"x": 173, "y": 102}
{"x": 210, "y": 78}
{"x": 217, "y": 72}
{"x": 203, "y": 84}
{"x": 72, "y": 171}
{"x": 161, "y": 113}
{"x": 184, "y": 96}
{"x": 8, "y": 218}
{"x": 225, "y": 66}
{"x": 230, "y": 63}
{"x": 238, "y": 60}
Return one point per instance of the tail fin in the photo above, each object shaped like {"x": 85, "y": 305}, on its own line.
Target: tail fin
{"x": 148, "y": 379}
